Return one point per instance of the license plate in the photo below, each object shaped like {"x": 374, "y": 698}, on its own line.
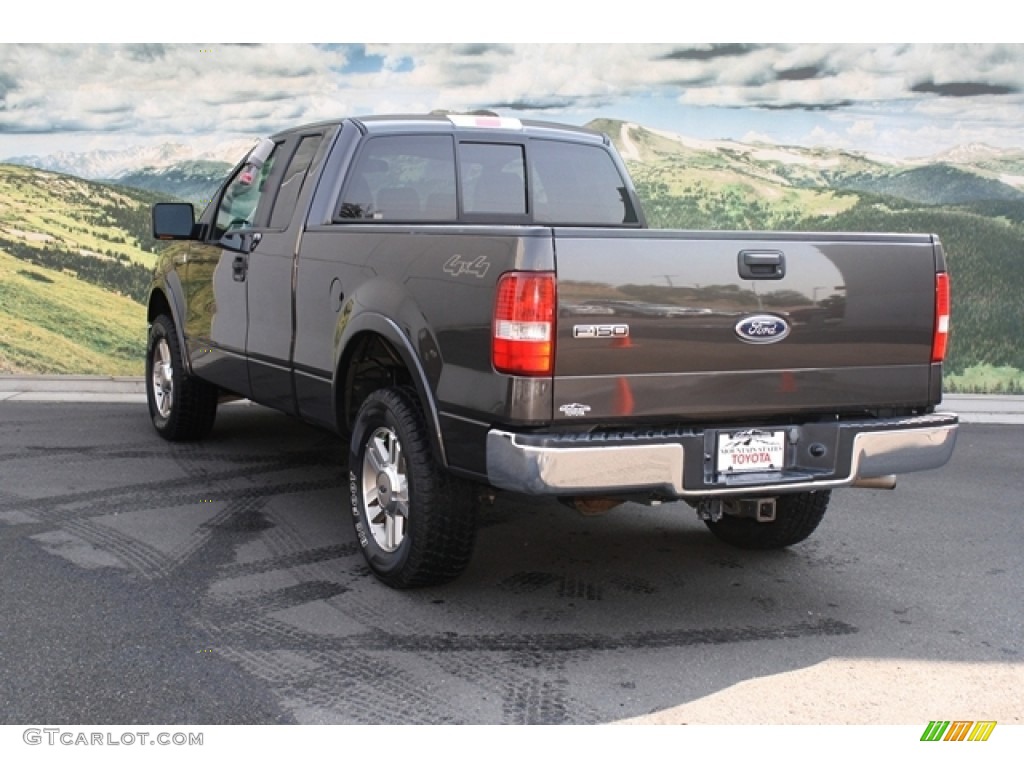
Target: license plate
{"x": 751, "y": 450}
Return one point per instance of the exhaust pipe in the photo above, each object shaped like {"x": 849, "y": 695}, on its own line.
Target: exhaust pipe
{"x": 884, "y": 483}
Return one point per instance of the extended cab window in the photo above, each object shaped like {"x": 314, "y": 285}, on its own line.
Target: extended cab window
{"x": 402, "y": 178}
{"x": 242, "y": 197}
{"x": 291, "y": 184}
{"x": 577, "y": 184}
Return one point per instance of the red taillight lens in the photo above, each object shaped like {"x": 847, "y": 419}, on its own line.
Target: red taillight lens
{"x": 524, "y": 324}
{"x": 940, "y": 339}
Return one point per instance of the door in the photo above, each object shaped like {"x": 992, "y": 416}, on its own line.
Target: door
{"x": 271, "y": 267}
{"x": 216, "y": 277}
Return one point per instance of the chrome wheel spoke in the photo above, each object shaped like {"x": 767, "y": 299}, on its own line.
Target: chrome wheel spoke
{"x": 397, "y": 459}
{"x": 377, "y": 454}
{"x": 391, "y": 537}
{"x": 375, "y": 513}
{"x": 162, "y": 378}
{"x": 385, "y": 489}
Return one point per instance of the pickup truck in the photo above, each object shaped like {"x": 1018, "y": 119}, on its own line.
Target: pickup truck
{"x": 476, "y": 304}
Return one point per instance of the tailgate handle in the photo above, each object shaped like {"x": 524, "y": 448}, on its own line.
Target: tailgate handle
{"x": 762, "y": 265}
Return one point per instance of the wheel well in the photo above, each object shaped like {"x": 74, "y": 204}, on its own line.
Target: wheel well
{"x": 370, "y": 363}
{"x": 158, "y": 305}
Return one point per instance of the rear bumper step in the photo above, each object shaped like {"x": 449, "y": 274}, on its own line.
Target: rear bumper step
{"x": 679, "y": 463}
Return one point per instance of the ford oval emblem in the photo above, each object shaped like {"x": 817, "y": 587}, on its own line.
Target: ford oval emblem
{"x": 762, "y": 329}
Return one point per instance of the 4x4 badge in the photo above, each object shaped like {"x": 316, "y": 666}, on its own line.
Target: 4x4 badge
{"x": 457, "y": 265}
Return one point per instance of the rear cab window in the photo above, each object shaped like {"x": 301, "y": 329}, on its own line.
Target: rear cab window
{"x": 401, "y": 179}
{"x": 578, "y": 184}
{"x": 461, "y": 178}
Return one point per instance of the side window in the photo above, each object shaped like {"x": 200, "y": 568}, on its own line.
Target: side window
{"x": 493, "y": 178}
{"x": 241, "y": 199}
{"x": 402, "y": 178}
{"x": 291, "y": 184}
{"x": 577, "y": 184}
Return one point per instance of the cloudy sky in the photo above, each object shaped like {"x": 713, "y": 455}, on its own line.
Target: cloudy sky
{"x": 900, "y": 100}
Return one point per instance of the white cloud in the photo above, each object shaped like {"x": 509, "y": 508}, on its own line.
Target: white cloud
{"x": 862, "y": 128}
{"x": 899, "y": 94}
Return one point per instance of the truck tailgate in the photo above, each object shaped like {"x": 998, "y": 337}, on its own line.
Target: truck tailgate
{"x": 733, "y": 325}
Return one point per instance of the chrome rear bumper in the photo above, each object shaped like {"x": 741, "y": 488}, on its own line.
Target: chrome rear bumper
{"x": 675, "y": 463}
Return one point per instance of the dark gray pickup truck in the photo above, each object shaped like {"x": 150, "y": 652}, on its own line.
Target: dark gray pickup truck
{"x": 477, "y": 304}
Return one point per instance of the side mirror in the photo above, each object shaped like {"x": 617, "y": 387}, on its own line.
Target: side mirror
{"x": 173, "y": 221}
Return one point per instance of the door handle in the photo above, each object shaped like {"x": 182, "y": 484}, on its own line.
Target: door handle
{"x": 762, "y": 265}
{"x": 238, "y": 268}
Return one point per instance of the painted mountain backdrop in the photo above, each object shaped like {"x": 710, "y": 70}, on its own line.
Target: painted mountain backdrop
{"x": 75, "y": 253}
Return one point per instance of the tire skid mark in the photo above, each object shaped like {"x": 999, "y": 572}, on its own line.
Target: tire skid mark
{"x": 536, "y": 698}
{"x": 137, "y": 555}
{"x": 200, "y": 538}
{"x": 195, "y": 459}
{"x": 34, "y": 452}
{"x": 316, "y": 681}
{"x": 570, "y": 642}
{"x": 573, "y": 588}
{"x": 279, "y": 668}
{"x": 361, "y": 604}
{"x": 189, "y": 480}
{"x": 152, "y": 497}
{"x": 526, "y": 582}
{"x": 7, "y": 498}
{"x": 291, "y": 560}
{"x": 140, "y": 557}
{"x": 239, "y": 608}
{"x": 531, "y": 687}
{"x": 378, "y": 690}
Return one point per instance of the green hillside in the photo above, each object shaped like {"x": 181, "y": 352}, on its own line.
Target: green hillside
{"x": 75, "y": 260}
{"x": 934, "y": 185}
{"x": 728, "y": 188}
{"x": 75, "y": 256}
{"x": 99, "y": 232}
{"x": 53, "y": 322}
{"x": 983, "y": 256}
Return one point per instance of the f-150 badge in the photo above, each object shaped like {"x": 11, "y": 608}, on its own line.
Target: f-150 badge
{"x": 616, "y": 331}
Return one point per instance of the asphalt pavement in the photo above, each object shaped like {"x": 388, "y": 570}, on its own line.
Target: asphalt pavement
{"x": 220, "y": 582}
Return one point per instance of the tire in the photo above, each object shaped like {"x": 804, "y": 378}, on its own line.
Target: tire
{"x": 796, "y": 517}
{"x": 416, "y": 524}
{"x": 182, "y": 407}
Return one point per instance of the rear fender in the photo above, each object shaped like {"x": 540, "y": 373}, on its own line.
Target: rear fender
{"x": 391, "y": 332}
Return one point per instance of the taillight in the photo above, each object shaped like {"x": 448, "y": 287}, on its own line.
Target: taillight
{"x": 940, "y": 339}
{"x": 523, "y": 340}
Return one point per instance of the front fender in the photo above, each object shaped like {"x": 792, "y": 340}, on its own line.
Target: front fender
{"x": 166, "y": 294}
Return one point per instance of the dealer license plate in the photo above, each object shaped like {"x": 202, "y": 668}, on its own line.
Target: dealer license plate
{"x": 751, "y": 450}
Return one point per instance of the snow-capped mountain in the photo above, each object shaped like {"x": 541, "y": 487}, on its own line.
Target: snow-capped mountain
{"x": 115, "y": 164}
